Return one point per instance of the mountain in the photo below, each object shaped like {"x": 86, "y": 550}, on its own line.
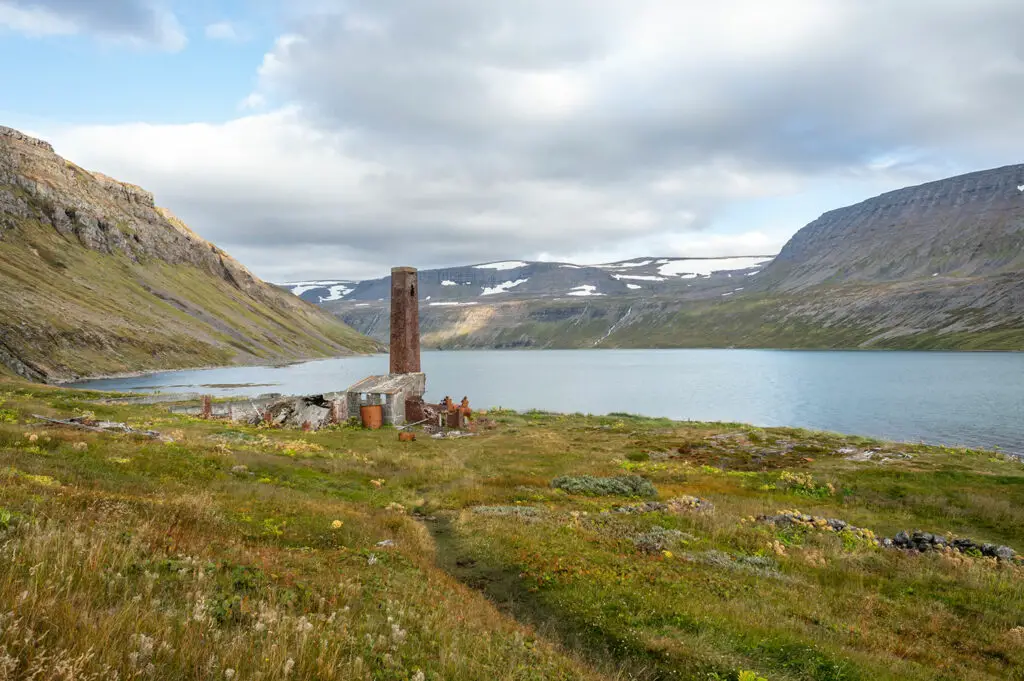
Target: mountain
{"x": 936, "y": 266}
{"x": 518, "y": 279}
{"x": 963, "y": 227}
{"x": 97, "y": 279}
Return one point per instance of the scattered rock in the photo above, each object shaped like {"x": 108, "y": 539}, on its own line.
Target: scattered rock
{"x": 387, "y": 543}
{"x": 451, "y": 435}
{"x": 877, "y": 455}
{"x": 688, "y": 504}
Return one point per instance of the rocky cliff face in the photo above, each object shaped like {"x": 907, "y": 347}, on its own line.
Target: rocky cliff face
{"x": 966, "y": 226}
{"x": 96, "y": 279}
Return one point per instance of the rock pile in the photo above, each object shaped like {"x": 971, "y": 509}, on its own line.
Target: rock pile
{"x": 690, "y": 504}
{"x": 309, "y": 413}
{"x": 798, "y": 519}
{"x": 918, "y": 540}
{"x": 683, "y": 504}
{"x": 926, "y": 541}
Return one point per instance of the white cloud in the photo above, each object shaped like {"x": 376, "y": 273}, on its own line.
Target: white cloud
{"x": 457, "y": 131}
{"x": 254, "y": 100}
{"x": 34, "y": 21}
{"x": 137, "y": 23}
{"x": 222, "y": 30}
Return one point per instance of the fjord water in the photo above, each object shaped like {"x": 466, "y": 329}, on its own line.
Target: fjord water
{"x": 972, "y": 399}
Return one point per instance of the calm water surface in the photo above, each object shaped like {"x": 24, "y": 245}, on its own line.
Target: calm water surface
{"x": 974, "y": 399}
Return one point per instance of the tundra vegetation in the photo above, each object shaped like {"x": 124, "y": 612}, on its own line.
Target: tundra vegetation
{"x": 666, "y": 550}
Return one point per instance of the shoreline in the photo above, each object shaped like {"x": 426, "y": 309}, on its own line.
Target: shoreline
{"x": 69, "y": 383}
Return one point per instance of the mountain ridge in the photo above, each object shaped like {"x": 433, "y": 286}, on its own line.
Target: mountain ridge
{"x": 934, "y": 266}
{"x": 517, "y": 279}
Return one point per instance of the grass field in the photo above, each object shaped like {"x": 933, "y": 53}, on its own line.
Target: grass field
{"x": 250, "y": 553}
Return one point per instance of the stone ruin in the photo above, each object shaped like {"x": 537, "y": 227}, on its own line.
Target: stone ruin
{"x": 399, "y": 393}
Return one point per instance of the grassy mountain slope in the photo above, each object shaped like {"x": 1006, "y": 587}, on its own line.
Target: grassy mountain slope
{"x": 962, "y": 314}
{"x": 94, "y": 279}
{"x": 344, "y": 554}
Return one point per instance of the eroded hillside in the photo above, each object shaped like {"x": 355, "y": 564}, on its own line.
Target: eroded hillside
{"x": 97, "y": 279}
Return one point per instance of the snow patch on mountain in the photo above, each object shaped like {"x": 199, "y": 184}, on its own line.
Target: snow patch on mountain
{"x": 502, "y": 287}
{"x": 336, "y": 292}
{"x": 585, "y": 290}
{"x": 709, "y": 265}
{"x": 639, "y": 277}
{"x": 625, "y": 265}
{"x": 506, "y": 265}
{"x": 299, "y": 287}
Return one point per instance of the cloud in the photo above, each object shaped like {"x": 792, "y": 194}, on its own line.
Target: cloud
{"x": 134, "y": 22}
{"x": 223, "y": 30}
{"x": 253, "y": 100}
{"x": 460, "y": 131}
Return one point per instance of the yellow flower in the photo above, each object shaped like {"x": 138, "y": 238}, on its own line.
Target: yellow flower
{"x": 337, "y": 524}
{"x": 666, "y": 553}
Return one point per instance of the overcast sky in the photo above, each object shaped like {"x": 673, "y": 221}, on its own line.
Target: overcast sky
{"x": 315, "y": 139}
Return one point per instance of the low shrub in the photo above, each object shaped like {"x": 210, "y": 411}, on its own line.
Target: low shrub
{"x": 621, "y": 485}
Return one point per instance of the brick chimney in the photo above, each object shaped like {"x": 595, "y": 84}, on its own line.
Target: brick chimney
{"x": 405, "y": 321}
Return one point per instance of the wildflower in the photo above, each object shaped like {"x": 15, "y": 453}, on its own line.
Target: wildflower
{"x": 395, "y": 506}
{"x": 419, "y": 676}
{"x": 289, "y": 665}
{"x": 32, "y": 437}
{"x": 336, "y": 525}
{"x": 229, "y": 674}
{"x": 372, "y": 560}
{"x": 666, "y": 553}
{"x": 378, "y": 483}
{"x": 80, "y": 446}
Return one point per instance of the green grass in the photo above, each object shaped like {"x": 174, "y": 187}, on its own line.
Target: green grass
{"x": 220, "y": 551}
{"x": 74, "y": 311}
{"x": 847, "y": 316}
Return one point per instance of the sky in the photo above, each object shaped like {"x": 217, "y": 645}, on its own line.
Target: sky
{"x": 317, "y": 139}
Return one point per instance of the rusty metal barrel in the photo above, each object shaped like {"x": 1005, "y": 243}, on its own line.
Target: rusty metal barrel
{"x": 372, "y": 416}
